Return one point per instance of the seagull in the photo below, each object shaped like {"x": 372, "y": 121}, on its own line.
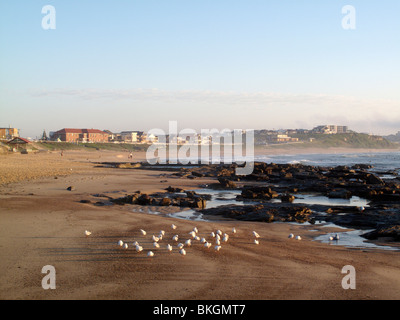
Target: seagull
{"x": 298, "y": 238}
{"x": 233, "y": 230}
{"x": 213, "y": 234}
{"x": 291, "y": 236}
{"x": 136, "y": 243}
{"x": 175, "y": 237}
{"x": 180, "y": 245}
{"x": 203, "y": 240}
{"x": 217, "y": 242}
{"x": 225, "y": 238}
{"x": 219, "y": 232}
{"x": 182, "y": 252}
{"x": 169, "y": 247}
{"x": 143, "y": 232}
{"x": 120, "y": 243}
{"x": 336, "y": 237}
{"x": 193, "y": 234}
{"x": 125, "y": 246}
{"x": 256, "y": 241}
{"x": 256, "y": 234}
{"x": 197, "y": 238}
{"x": 162, "y": 232}
{"x": 139, "y": 248}
{"x": 217, "y": 248}
{"x": 188, "y": 242}
{"x": 156, "y": 245}
{"x": 207, "y": 244}
{"x": 87, "y": 233}
{"x": 150, "y": 254}
{"x": 218, "y": 237}
{"x": 195, "y": 230}
{"x": 361, "y": 209}
{"x": 173, "y": 226}
{"x": 155, "y": 239}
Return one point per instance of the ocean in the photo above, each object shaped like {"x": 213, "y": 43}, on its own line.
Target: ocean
{"x": 382, "y": 162}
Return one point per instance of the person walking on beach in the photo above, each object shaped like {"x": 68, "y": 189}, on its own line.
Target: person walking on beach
{"x": 62, "y": 153}
{"x": 130, "y": 156}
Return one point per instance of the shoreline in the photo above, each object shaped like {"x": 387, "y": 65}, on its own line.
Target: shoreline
{"x": 42, "y": 223}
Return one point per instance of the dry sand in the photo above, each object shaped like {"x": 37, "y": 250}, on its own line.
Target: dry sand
{"x": 41, "y": 223}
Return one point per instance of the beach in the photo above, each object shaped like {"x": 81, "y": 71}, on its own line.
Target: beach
{"x": 42, "y": 223}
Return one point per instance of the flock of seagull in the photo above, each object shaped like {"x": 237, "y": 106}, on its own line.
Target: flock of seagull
{"x": 218, "y": 237}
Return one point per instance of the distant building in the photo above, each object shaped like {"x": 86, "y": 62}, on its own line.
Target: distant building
{"x": 18, "y": 143}
{"x": 280, "y": 138}
{"x": 8, "y": 133}
{"x": 80, "y": 135}
{"x": 330, "y": 129}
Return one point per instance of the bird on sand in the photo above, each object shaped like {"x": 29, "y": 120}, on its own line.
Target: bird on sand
{"x": 256, "y": 241}
{"x": 125, "y": 246}
{"x": 138, "y": 248}
{"x": 256, "y": 234}
{"x": 217, "y": 248}
{"x": 291, "y": 236}
{"x": 150, "y": 254}
{"x": 169, "y": 247}
{"x": 143, "y": 232}
{"x": 120, "y": 243}
{"x": 173, "y": 226}
{"x": 182, "y": 252}
{"x": 298, "y": 238}
{"x": 87, "y": 233}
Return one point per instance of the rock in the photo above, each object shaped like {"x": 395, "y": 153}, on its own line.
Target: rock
{"x": 373, "y": 179}
{"x": 165, "y": 201}
{"x": 287, "y": 198}
{"x": 71, "y": 188}
{"x": 174, "y": 190}
{"x": 339, "y": 194}
{"x": 388, "y": 231}
{"x": 227, "y": 183}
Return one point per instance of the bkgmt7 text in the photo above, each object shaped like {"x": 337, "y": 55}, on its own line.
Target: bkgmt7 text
{"x": 231, "y": 309}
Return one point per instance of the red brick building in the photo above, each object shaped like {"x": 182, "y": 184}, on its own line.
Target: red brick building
{"x": 80, "y": 135}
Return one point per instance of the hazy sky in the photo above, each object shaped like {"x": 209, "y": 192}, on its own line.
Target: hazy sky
{"x": 238, "y": 64}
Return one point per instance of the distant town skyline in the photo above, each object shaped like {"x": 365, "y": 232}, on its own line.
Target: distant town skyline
{"x": 258, "y": 64}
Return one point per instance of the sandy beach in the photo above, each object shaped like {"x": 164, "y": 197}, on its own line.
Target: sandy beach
{"x": 42, "y": 223}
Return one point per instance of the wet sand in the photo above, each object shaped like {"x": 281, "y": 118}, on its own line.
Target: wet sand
{"x": 42, "y": 223}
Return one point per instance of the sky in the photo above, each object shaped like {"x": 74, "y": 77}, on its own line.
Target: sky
{"x": 238, "y": 64}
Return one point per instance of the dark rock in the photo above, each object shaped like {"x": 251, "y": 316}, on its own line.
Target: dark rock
{"x": 388, "y": 231}
{"x": 339, "y": 193}
{"x": 227, "y": 183}
{"x": 71, "y": 188}
{"x": 287, "y": 198}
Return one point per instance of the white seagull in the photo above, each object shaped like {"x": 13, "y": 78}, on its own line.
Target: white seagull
{"x": 143, "y": 232}
{"x": 180, "y": 245}
{"x": 139, "y": 248}
{"x": 156, "y": 245}
{"x": 233, "y": 230}
{"x": 125, "y": 246}
{"x": 150, "y": 254}
{"x": 298, "y": 238}
{"x": 120, "y": 243}
{"x": 175, "y": 237}
{"x": 188, "y": 242}
{"x": 207, "y": 244}
{"x": 291, "y": 236}
{"x": 256, "y": 234}
{"x": 155, "y": 239}
{"x": 217, "y": 248}
{"x": 182, "y": 252}
{"x": 169, "y": 247}
{"x": 173, "y": 226}
{"x": 87, "y": 233}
